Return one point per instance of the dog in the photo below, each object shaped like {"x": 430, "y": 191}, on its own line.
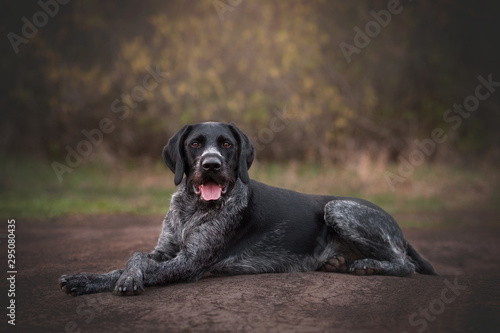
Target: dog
{"x": 221, "y": 222}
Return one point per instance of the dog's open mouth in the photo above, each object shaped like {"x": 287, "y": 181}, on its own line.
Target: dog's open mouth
{"x": 210, "y": 190}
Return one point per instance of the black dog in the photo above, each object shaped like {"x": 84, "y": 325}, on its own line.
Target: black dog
{"x": 221, "y": 222}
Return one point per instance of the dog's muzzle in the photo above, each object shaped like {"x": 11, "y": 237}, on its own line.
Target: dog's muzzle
{"x": 210, "y": 189}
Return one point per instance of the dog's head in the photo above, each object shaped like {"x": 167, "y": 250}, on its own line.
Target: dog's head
{"x": 212, "y": 156}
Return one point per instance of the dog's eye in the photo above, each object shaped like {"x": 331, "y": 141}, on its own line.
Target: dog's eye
{"x": 195, "y": 144}
{"x": 226, "y": 144}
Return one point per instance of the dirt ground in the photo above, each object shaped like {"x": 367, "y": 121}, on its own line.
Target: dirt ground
{"x": 465, "y": 298}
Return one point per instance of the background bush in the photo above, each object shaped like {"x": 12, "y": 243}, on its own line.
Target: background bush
{"x": 263, "y": 57}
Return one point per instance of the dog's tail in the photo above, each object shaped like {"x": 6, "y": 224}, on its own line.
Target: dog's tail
{"x": 422, "y": 266}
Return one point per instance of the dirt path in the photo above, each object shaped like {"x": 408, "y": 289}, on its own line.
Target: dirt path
{"x": 465, "y": 298}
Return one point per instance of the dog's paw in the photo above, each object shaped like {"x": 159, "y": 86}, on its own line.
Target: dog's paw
{"x": 336, "y": 265}
{"x": 75, "y": 284}
{"x": 364, "y": 267}
{"x": 130, "y": 283}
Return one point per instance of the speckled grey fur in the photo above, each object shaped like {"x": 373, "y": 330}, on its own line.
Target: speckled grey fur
{"x": 370, "y": 232}
{"x": 252, "y": 227}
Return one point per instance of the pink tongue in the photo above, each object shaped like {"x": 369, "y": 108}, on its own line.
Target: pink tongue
{"x": 210, "y": 191}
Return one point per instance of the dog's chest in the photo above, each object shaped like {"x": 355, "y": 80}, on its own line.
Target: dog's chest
{"x": 190, "y": 216}
{"x": 188, "y": 221}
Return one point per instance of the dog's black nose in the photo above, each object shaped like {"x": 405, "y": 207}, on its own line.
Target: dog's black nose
{"x": 211, "y": 163}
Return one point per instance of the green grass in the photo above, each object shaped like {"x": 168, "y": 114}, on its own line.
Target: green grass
{"x": 30, "y": 188}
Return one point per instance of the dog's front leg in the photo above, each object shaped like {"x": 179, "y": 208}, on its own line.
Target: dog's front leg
{"x": 88, "y": 283}
{"x": 139, "y": 266}
{"x": 198, "y": 253}
{"x": 131, "y": 280}
{"x": 142, "y": 271}
{"x": 167, "y": 246}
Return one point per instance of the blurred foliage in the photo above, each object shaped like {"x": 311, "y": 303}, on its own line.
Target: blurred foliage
{"x": 248, "y": 64}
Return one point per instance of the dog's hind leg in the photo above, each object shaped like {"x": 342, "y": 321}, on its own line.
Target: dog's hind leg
{"x": 373, "y": 241}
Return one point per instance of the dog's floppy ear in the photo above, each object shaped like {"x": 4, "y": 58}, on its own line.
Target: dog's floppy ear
{"x": 246, "y": 153}
{"x": 173, "y": 153}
